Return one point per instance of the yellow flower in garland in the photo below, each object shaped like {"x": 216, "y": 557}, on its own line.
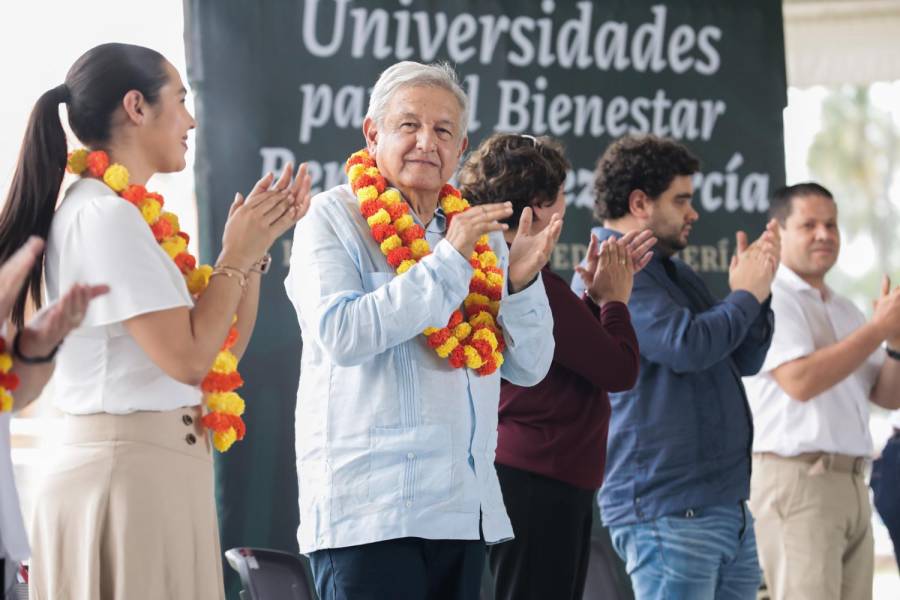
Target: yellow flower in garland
{"x": 474, "y": 341}
{"x": 8, "y": 380}
{"x": 225, "y": 406}
{"x": 116, "y": 177}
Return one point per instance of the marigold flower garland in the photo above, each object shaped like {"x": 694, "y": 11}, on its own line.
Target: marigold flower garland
{"x": 473, "y": 340}
{"x": 225, "y": 406}
{"x": 9, "y": 381}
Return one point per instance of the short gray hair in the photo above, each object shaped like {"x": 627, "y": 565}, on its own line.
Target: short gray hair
{"x": 409, "y": 73}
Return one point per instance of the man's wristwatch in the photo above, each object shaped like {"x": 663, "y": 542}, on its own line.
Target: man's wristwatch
{"x": 262, "y": 265}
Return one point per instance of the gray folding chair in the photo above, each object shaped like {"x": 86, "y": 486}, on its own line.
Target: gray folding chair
{"x": 271, "y": 574}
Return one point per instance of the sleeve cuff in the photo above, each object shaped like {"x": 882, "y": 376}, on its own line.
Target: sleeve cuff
{"x": 746, "y": 301}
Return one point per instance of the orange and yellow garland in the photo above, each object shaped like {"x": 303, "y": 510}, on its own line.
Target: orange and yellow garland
{"x": 224, "y": 404}
{"x": 9, "y": 381}
{"x": 474, "y": 340}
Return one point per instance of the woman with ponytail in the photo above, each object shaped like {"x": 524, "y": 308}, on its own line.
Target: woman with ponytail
{"x": 147, "y": 381}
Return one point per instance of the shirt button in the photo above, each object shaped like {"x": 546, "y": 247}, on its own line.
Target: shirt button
{"x": 191, "y": 439}
{"x": 411, "y": 455}
{"x": 187, "y": 419}
{"x": 637, "y": 500}
{"x": 408, "y": 503}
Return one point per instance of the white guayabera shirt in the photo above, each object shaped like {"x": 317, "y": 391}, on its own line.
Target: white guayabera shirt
{"x": 391, "y": 441}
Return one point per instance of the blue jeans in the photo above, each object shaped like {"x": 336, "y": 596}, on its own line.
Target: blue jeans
{"x": 886, "y": 487}
{"x": 702, "y": 553}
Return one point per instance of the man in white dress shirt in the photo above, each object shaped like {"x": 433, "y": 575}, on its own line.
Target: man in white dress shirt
{"x": 811, "y": 412}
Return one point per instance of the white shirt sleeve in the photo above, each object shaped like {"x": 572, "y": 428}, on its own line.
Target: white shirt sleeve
{"x": 109, "y": 243}
{"x": 792, "y": 338}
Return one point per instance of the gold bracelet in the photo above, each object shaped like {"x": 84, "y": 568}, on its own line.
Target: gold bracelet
{"x": 231, "y": 272}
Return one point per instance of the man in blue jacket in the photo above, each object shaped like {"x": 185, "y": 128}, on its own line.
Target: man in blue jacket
{"x": 678, "y": 458}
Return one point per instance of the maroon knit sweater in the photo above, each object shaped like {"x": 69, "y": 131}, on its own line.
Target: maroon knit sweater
{"x": 558, "y": 427}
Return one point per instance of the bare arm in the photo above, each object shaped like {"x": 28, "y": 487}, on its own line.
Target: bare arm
{"x": 809, "y": 376}
{"x": 184, "y": 342}
{"x": 886, "y": 392}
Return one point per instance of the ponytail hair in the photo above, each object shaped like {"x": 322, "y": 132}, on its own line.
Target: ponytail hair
{"x": 93, "y": 91}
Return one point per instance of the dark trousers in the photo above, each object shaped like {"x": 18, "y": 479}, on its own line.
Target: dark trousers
{"x": 552, "y": 523}
{"x": 886, "y": 487}
{"x": 401, "y": 569}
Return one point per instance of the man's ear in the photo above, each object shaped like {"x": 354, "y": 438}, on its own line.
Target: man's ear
{"x": 370, "y": 132}
{"x": 639, "y": 204}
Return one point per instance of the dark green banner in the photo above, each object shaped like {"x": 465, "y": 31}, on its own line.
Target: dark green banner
{"x": 289, "y": 80}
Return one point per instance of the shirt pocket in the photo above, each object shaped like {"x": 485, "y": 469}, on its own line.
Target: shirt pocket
{"x": 410, "y": 465}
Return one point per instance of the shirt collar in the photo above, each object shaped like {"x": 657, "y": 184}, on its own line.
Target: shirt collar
{"x": 789, "y": 278}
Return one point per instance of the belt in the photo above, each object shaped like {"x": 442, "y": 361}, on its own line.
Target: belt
{"x": 828, "y": 462}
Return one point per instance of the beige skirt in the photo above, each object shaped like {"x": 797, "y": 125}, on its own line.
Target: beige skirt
{"x": 127, "y": 512}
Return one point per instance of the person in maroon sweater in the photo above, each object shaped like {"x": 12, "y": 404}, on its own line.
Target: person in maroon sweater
{"x": 551, "y": 447}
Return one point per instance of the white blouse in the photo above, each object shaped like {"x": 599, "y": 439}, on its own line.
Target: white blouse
{"x": 13, "y": 541}
{"x": 99, "y": 238}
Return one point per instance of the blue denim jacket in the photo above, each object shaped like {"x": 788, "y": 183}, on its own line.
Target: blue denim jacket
{"x": 682, "y": 437}
{"x": 391, "y": 441}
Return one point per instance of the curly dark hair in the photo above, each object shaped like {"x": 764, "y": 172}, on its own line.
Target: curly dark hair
{"x": 638, "y": 162}
{"x": 521, "y": 169}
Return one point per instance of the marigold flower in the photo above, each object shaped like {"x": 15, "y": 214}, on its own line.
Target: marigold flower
{"x": 405, "y": 266}
{"x": 382, "y": 231}
{"x": 157, "y": 197}
{"x": 184, "y": 261}
{"x": 134, "y": 193}
{"x": 226, "y": 402}
{"x": 488, "y": 336}
{"x": 77, "y": 161}
{"x": 457, "y": 357}
{"x": 6, "y": 401}
{"x": 391, "y": 196}
{"x": 198, "y": 279}
{"x": 456, "y": 317}
{"x": 172, "y": 219}
{"x": 473, "y": 359}
{"x": 396, "y": 256}
{"x": 488, "y": 259}
{"x": 391, "y": 243}
{"x": 10, "y": 381}
{"x": 116, "y": 177}
{"x": 462, "y": 331}
{"x": 419, "y": 248}
{"x": 225, "y": 362}
{"x": 6, "y": 363}
{"x": 447, "y": 347}
{"x": 174, "y": 245}
{"x": 354, "y": 171}
{"x": 381, "y": 216}
{"x": 397, "y": 210}
{"x": 412, "y": 233}
{"x": 221, "y": 382}
{"x": 369, "y": 192}
{"x": 97, "y": 162}
{"x": 223, "y": 440}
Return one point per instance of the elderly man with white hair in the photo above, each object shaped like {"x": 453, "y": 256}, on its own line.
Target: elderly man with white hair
{"x": 411, "y": 308}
